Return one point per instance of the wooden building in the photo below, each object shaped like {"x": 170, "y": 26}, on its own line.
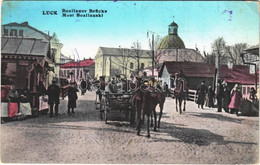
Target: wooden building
{"x": 25, "y": 62}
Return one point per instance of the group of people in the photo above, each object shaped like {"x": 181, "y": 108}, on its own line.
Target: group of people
{"x": 53, "y": 93}
{"x": 229, "y": 100}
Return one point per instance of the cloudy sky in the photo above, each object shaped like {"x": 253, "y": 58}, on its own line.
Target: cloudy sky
{"x": 128, "y": 21}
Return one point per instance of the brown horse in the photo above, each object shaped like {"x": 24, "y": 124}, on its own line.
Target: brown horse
{"x": 181, "y": 93}
{"x": 158, "y": 98}
{"x": 141, "y": 101}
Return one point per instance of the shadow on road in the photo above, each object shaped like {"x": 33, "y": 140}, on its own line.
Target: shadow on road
{"x": 200, "y": 137}
{"x": 216, "y": 116}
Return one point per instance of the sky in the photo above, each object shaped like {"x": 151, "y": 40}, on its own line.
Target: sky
{"x": 199, "y": 22}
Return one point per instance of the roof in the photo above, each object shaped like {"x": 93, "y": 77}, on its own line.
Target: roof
{"x": 24, "y": 46}
{"x": 253, "y": 50}
{"x": 82, "y": 63}
{"x": 120, "y": 51}
{"x": 238, "y": 74}
{"x": 170, "y": 42}
{"x": 173, "y": 24}
{"x": 190, "y": 69}
{"x": 25, "y": 24}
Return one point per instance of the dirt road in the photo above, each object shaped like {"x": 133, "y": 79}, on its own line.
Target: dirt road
{"x": 196, "y": 136}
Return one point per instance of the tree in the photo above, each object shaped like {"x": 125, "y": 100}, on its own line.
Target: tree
{"x": 157, "y": 52}
{"x": 226, "y": 53}
{"x": 123, "y": 59}
{"x": 136, "y": 53}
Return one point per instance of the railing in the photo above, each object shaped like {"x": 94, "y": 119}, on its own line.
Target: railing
{"x": 64, "y": 91}
{"x": 192, "y": 96}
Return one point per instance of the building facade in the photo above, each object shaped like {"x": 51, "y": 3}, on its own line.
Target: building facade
{"x": 75, "y": 71}
{"x": 24, "y": 30}
{"x": 113, "y": 61}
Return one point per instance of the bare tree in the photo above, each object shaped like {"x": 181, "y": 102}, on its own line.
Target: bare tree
{"x": 237, "y": 50}
{"x": 157, "y": 51}
{"x": 123, "y": 59}
{"x": 136, "y": 53}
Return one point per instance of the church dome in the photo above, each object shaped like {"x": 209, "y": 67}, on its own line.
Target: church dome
{"x": 171, "y": 42}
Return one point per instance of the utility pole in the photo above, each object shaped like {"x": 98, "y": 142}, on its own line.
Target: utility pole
{"x": 152, "y": 50}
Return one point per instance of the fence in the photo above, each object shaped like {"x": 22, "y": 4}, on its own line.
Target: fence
{"x": 192, "y": 96}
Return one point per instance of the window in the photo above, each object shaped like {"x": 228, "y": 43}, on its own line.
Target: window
{"x": 248, "y": 90}
{"x": 13, "y": 32}
{"x": 131, "y": 65}
{"x": 244, "y": 90}
{"x": 21, "y": 33}
{"x": 5, "y": 32}
{"x": 142, "y": 65}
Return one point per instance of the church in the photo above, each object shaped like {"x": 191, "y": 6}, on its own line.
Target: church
{"x": 172, "y": 48}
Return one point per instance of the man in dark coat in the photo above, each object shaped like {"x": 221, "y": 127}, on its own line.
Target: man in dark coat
{"x": 202, "y": 90}
{"x": 83, "y": 86}
{"x": 72, "y": 96}
{"x": 220, "y": 95}
{"x": 53, "y": 92}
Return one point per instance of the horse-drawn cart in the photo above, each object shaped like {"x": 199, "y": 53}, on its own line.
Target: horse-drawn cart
{"x": 112, "y": 102}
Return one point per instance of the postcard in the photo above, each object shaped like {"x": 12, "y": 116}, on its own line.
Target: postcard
{"x": 130, "y": 82}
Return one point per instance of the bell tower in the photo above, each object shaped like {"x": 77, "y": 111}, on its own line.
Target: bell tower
{"x": 173, "y": 29}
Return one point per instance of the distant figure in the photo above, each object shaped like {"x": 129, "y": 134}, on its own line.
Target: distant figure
{"x": 202, "y": 90}
{"x": 25, "y": 99}
{"x": 211, "y": 95}
{"x": 102, "y": 86}
{"x": 54, "y": 94}
{"x": 236, "y": 97}
{"x": 166, "y": 88}
{"x": 252, "y": 95}
{"x": 72, "y": 96}
{"x": 181, "y": 74}
{"x": 220, "y": 95}
{"x": 226, "y": 99}
{"x": 13, "y": 95}
{"x": 83, "y": 86}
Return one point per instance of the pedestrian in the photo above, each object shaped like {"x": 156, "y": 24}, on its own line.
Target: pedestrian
{"x": 201, "y": 90}
{"x": 72, "y": 96}
{"x": 236, "y": 97}
{"x": 211, "y": 96}
{"x": 101, "y": 87}
{"x": 83, "y": 86}
{"x": 166, "y": 89}
{"x": 252, "y": 95}
{"x": 13, "y": 105}
{"x": 53, "y": 92}
{"x": 226, "y": 99}
{"x": 220, "y": 95}
{"x": 25, "y": 105}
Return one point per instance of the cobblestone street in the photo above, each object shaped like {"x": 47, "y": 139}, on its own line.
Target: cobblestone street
{"x": 195, "y": 136}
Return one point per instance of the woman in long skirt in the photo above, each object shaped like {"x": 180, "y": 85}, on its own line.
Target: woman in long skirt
{"x": 236, "y": 97}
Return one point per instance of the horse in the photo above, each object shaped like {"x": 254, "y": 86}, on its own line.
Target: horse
{"x": 158, "y": 98}
{"x": 141, "y": 101}
{"x": 181, "y": 93}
